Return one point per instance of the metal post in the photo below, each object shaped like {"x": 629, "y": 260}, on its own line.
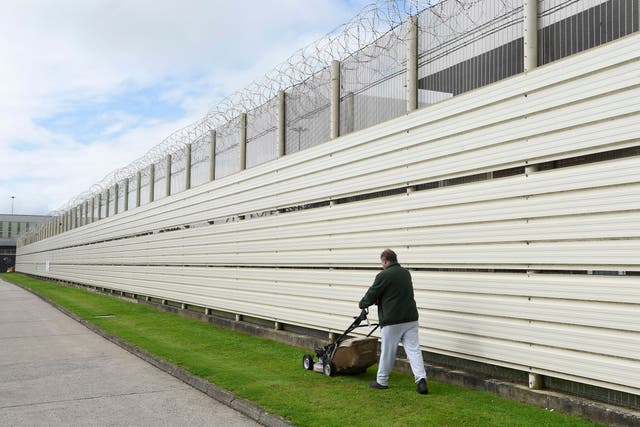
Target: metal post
{"x": 282, "y": 123}
{"x": 335, "y": 99}
{"x": 99, "y": 206}
{"x": 349, "y": 105}
{"x": 412, "y": 63}
{"x": 138, "y": 187}
{"x": 212, "y": 155}
{"x": 535, "y": 381}
{"x": 93, "y": 209}
{"x": 243, "y": 141}
{"x": 116, "y": 194}
{"x": 152, "y": 181}
{"x": 125, "y": 199}
{"x": 530, "y": 33}
{"x": 106, "y": 202}
{"x": 530, "y": 169}
{"x": 187, "y": 166}
{"x": 167, "y": 174}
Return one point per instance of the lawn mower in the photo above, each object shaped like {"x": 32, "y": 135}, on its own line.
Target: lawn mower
{"x": 346, "y": 355}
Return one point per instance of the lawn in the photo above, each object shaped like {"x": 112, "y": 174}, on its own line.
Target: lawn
{"x": 270, "y": 373}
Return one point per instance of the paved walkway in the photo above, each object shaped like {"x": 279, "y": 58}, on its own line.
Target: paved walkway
{"x": 54, "y": 371}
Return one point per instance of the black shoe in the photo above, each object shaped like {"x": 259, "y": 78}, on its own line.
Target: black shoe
{"x": 422, "y": 386}
{"x": 374, "y": 384}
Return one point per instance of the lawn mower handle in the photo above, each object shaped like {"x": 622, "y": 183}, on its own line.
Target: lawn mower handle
{"x": 361, "y": 317}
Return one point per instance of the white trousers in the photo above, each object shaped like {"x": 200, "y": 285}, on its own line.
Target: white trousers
{"x": 392, "y": 335}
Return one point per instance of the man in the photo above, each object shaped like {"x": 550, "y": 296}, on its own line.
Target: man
{"x": 392, "y": 291}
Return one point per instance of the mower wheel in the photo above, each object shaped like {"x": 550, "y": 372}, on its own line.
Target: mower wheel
{"x": 307, "y": 362}
{"x": 329, "y": 369}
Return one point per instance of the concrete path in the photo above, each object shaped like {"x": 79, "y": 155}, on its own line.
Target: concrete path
{"x": 56, "y": 372}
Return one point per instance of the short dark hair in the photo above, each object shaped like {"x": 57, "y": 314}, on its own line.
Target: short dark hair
{"x": 389, "y": 255}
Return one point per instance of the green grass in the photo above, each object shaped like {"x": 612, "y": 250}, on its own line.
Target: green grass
{"x": 271, "y": 375}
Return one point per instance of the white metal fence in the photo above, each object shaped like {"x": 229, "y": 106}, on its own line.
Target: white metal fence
{"x": 504, "y": 201}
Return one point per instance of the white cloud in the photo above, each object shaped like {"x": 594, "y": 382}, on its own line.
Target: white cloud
{"x": 78, "y": 56}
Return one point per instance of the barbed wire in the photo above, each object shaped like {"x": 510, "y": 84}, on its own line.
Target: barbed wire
{"x": 368, "y": 26}
{"x": 382, "y": 18}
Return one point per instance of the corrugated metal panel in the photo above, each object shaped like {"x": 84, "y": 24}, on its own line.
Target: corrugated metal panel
{"x": 511, "y": 106}
{"x": 580, "y": 218}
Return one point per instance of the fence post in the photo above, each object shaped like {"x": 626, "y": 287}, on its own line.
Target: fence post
{"x": 187, "y": 166}
{"x": 335, "y": 99}
{"x": 350, "y": 117}
{"x": 125, "y": 199}
{"x": 282, "y": 123}
{"x": 167, "y": 175}
{"x": 93, "y": 209}
{"x": 243, "y": 141}
{"x": 530, "y": 34}
{"x": 412, "y": 63}
{"x": 535, "y": 381}
{"x": 529, "y": 169}
{"x": 152, "y": 181}
{"x": 99, "y": 206}
{"x": 138, "y": 188}
{"x": 106, "y": 202}
{"x": 116, "y": 193}
{"x": 212, "y": 154}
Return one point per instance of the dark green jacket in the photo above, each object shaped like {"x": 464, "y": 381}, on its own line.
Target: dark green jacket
{"x": 392, "y": 290}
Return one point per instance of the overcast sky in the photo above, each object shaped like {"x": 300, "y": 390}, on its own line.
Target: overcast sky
{"x": 88, "y": 86}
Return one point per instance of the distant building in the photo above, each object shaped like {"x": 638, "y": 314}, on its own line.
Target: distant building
{"x": 11, "y": 226}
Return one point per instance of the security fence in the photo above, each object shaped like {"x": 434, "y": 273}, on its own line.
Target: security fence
{"x": 459, "y": 46}
{"x": 512, "y": 196}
